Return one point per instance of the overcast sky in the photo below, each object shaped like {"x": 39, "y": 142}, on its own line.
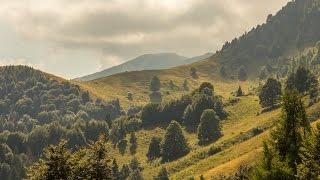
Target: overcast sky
{"x": 71, "y": 38}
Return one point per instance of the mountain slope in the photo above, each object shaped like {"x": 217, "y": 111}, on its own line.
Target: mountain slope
{"x": 137, "y": 82}
{"x": 295, "y": 26}
{"x": 146, "y": 62}
{"x": 198, "y": 58}
{"x": 38, "y": 109}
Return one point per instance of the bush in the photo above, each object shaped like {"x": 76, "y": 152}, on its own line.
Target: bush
{"x": 239, "y": 92}
{"x": 130, "y": 96}
{"x": 206, "y": 85}
{"x": 214, "y": 150}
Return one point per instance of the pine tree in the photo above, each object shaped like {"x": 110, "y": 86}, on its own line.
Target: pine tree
{"x": 301, "y": 79}
{"x": 135, "y": 165}
{"x": 223, "y": 72}
{"x": 155, "y": 97}
{"x": 174, "y": 144}
{"x": 218, "y": 108}
{"x": 122, "y": 146}
{"x": 201, "y": 177}
{"x": 125, "y": 172}
{"x": 185, "y": 85}
{"x": 290, "y": 84}
{"x": 171, "y": 85}
{"x": 98, "y": 161}
{"x": 133, "y": 143}
{"x": 135, "y": 175}
{"x": 310, "y": 157}
{"x": 130, "y": 96}
{"x": 263, "y": 74}
{"x": 155, "y": 84}
{"x": 115, "y": 170}
{"x": 55, "y": 164}
{"x": 239, "y": 92}
{"x": 162, "y": 175}
{"x": 313, "y": 90}
{"x": 135, "y": 169}
{"x": 85, "y": 97}
{"x": 282, "y": 151}
{"x": 242, "y": 75}
{"x": 193, "y": 112}
{"x": 209, "y": 128}
{"x": 88, "y": 163}
{"x": 193, "y": 72}
{"x": 270, "y": 93}
{"x": 292, "y": 130}
{"x": 154, "y": 150}
{"x": 206, "y": 85}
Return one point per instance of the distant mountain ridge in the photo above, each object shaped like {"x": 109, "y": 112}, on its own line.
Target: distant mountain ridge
{"x": 147, "y": 62}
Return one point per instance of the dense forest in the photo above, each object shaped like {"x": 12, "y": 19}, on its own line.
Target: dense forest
{"x": 37, "y": 110}
{"x": 295, "y": 26}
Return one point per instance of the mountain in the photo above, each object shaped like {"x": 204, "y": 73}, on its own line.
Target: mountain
{"x": 294, "y": 27}
{"x": 32, "y": 116}
{"x": 146, "y": 62}
{"x": 198, "y": 58}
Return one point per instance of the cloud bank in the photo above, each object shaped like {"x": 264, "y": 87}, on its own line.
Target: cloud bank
{"x": 116, "y": 30}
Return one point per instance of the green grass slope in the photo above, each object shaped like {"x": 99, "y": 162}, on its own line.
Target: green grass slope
{"x": 137, "y": 82}
{"x": 238, "y": 143}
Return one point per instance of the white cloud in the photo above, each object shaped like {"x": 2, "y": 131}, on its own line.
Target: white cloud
{"x": 4, "y": 62}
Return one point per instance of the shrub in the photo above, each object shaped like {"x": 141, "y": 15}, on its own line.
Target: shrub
{"x": 214, "y": 150}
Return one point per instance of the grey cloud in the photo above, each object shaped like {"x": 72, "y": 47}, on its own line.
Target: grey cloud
{"x": 125, "y": 29}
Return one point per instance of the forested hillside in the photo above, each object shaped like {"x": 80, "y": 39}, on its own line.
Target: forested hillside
{"x": 38, "y": 109}
{"x": 295, "y": 26}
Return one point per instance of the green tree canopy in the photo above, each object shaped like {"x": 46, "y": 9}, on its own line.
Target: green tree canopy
{"x": 242, "y": 74}
{"x": 155, "y": 84}
{"x": 162, "y": 175}
{"x": 282, "y": 151}
{"x": 154, "y": 150}
{"x": 209, "y": 128}
{"x": 174, "y": 144}
{"x": 270, "y": 93}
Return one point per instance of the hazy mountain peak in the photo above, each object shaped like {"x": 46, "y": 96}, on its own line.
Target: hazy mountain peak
{"x": 147, "y": 62}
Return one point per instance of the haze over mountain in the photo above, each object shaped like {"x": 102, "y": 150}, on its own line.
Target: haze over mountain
{"x": 147, "y": 62}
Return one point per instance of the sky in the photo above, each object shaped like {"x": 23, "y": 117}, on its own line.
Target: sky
{"x": 72, "y": 38}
